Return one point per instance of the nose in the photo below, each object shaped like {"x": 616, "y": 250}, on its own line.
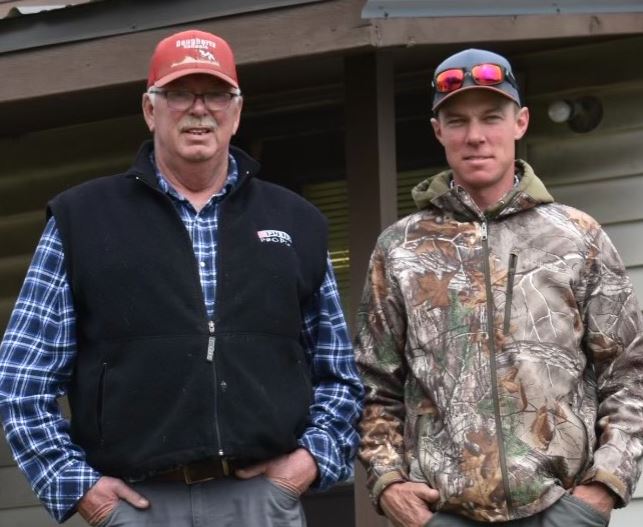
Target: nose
{"x": 475, "y": 132}
{"x": 198, "y": 106}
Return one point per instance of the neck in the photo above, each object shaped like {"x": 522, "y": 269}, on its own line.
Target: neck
{"x": 488, "y": 196}
{"x": 485, "y": 198}
{"x": 197, "y": 181}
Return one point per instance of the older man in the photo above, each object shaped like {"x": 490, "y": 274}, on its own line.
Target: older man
{"x": 499, "y": 336}
{"x": 191, "y": 313}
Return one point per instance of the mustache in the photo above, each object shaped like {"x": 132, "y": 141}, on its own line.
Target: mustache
{"x": 198, "y": 122}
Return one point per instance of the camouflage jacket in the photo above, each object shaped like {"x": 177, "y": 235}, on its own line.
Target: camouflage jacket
{"x": 501, "y": 352}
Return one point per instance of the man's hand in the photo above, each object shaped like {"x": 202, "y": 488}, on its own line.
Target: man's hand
{"x": 406, "y": 504}
{"x": 100, "y": 500}
{"x": 598, "y": 496}
{"x": 295, "y": 471}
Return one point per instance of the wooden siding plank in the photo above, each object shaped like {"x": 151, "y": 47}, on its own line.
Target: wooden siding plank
{"x": 549, "y": 71}
{"x": 16, "y": 492}
{"x": 6, "y": 458}
{"x": 636, "y": 275}
{"x": 66, "y": 156}
{"x": 589, "y": 157}
{"x": 638, "y": 493}
{"x": 630, "y": 516}
{"x": 20, "y": 234}
{"x": 625, "y": 237}
{"x": 71, "y": 148}
{"x": 618, "y": 200}
{"x": 6, "y": 306}
{"x": 12, "y": 274}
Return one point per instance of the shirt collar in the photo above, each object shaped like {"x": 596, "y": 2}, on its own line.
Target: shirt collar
{"x": 231, "y": 180}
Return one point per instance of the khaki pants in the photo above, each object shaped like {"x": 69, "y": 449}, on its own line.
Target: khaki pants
{"x": 227, "y": 502}
{"x": 568, "y": 511}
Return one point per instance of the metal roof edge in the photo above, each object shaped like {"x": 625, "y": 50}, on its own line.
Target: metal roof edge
{"x": 465, "y": 8}
{"x": 117, "y": 17}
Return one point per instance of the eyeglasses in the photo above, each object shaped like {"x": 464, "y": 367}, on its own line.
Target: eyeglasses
{"x": 482, "y": 74}
{"x": 181, "y": 100}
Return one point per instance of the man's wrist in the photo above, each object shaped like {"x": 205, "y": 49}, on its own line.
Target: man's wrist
{"x": 383, "y": 482}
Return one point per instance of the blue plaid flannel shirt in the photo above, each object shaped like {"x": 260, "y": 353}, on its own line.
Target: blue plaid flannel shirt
{"x": 39, "y": 347}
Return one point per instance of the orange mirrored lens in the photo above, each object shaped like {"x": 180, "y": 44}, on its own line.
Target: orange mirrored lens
{"x": 448, "y": 80}
{"x": 487, "y": 74}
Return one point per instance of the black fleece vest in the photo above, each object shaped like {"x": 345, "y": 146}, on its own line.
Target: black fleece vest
{"x": 156, "y": 383}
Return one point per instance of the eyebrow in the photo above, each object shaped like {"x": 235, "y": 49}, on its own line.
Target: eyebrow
{"x": 446, "y": 112}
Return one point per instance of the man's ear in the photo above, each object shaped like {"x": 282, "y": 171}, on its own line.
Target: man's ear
{"x": 148, "y": 111}
{"x": 238, "y": 116}
{"x": 437, "y": 129}
{"x": 522, "y": 122}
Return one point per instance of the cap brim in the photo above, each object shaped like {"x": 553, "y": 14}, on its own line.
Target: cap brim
{"x": 473, "y": 87}
{"x": 191, "y": 71}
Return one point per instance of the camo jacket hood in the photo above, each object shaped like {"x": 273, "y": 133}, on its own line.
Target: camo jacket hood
{"x": 501, "y": 354}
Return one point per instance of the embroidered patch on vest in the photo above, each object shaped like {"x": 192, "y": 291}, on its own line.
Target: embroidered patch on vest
{"x": 275, "y": 237}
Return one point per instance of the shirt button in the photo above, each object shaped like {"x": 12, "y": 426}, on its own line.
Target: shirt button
{"x": 202, "y": 264}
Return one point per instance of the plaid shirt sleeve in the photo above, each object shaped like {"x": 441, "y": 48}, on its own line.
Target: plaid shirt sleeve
{"x": 36, "y": 362}
{"x": 331, "y": 436}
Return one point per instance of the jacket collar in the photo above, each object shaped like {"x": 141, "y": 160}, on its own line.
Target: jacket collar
{"x": 143, "y": 168}
{"x": 438, "y": 192}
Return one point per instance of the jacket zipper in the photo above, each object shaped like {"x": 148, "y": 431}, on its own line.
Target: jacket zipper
{"x": 492, "y": 365}
{"x": 513, "y": 257}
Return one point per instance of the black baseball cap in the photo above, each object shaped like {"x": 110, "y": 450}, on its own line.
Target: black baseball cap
{"x": 465, "y": 61}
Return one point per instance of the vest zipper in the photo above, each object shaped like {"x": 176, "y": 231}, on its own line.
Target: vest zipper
{"x": 211, "y": 338}
{"x": 210, "y": 358}
{"x": 484, "y": 228}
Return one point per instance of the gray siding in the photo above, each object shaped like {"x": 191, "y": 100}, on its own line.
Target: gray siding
{"x": 600, "y": 172}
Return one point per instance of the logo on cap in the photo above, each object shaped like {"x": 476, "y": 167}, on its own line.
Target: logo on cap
{"x": 192, "y": 52}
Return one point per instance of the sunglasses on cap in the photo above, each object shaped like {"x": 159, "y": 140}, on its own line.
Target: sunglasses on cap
{"x": 452, "y": 79}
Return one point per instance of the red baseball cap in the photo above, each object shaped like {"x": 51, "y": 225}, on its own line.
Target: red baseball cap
{"x": 191, "y": 52}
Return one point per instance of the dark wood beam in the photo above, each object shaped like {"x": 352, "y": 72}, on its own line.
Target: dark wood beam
{"x": 299, "y": 31}
{"x": 372, "y": 183}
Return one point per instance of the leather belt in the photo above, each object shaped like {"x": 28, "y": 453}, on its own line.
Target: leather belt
{"x": 198, "y": 471}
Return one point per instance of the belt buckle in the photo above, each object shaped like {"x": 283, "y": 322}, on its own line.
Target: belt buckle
{"x": 191, "y": 477}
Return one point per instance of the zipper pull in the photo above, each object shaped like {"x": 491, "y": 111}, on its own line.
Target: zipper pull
{"x": 483, "y": 229}
{"x": 211, "y": 341}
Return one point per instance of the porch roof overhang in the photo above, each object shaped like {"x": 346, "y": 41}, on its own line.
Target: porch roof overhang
{"x": 277, "y": 49}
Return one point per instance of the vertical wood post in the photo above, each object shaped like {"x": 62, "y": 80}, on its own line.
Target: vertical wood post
{"x": 371, "y": 175}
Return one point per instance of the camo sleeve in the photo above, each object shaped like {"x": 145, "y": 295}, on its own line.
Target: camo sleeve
{"x": 380, "y": 341}
{"x": 613, "y": 338}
